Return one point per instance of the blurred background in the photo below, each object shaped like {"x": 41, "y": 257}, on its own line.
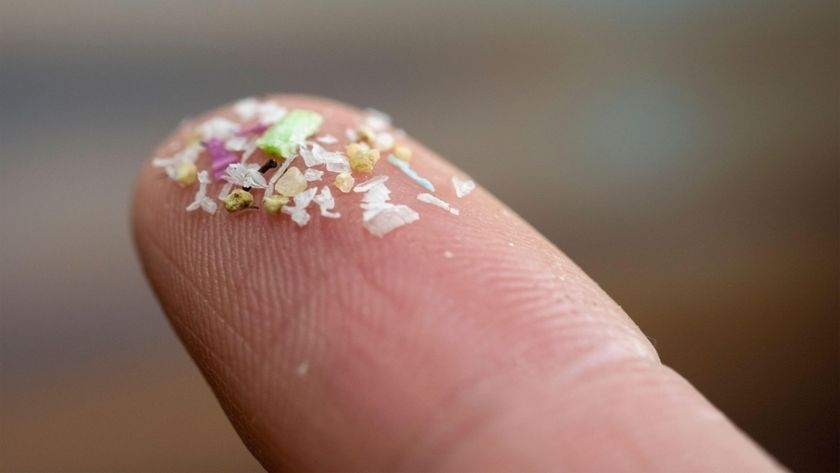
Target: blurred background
{"x": 684, "y": 153}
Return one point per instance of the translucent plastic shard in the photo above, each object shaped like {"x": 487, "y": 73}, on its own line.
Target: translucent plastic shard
{"x": 380, "y": 216}
{"x": 326, "y": 202}
{"x": 370, "y": 183}
{"x": 336, "y": 162}
{"x": 315, "y": 155}
{"x": 462, "y": 187}
{"x": 327, "y": 139}
{"x": 313, "y": 174}
{"x": 298, "y": 211}
{"x": 389, "y": 219}
{"x": 405, "y": 167}
{"x": 284, "y": 137}
{"x": 430, "y": 199}
{"x": 202, "y": 201}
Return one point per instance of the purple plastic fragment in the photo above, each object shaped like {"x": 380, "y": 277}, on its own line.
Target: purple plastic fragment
{"x": 220, "y": 155}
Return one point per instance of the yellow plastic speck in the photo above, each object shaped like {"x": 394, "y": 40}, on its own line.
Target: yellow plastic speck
{"x": 403, "y": 153}
{"x": 185, "y": 173}
{"x": 274, "y": 203}
{"x": 344, "y": 182}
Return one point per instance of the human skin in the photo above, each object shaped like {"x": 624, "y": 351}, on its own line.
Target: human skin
{"x": 465, "y": 343}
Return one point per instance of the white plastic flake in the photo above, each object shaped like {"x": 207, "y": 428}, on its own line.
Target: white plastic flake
{"x": 370, "y": 184}
{"x": 462, "y": 187}
{"x": 313, "y": 174}
{"x": 376, "y": 120}
{"x": 430, "y": 199}
{"x": 327, "y": 139}
{"x": 170, "y": 165}
{"x": 245, "y": 175}
{"x": 246, "y": 108}
{"x": 326, "y": 202}
{"x": 380, "y": 216}
{"x": 238, "y": 143}
{"x": 315, "y": 155}
{"x": 298, "y": 211}
{"x": 384, "y": 141}
{"x": 201, "y": 200}
{"x": 309, "y": 157}
{"x": 225, "y": 190}
{"x": 217, "y": 128}
{"x": 389, "y": 218}
{"x": 268, "y": 112}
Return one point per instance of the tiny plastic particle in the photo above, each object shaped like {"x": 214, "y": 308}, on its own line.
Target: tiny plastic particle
{"x": 462, "y": 186}
{"x": 291, "y": 183}
{"x": 362, "y": 159}
{"x": 284, "y": 137}
{"x": 402, "y": 152}
{"x": 406, "y": 169}
{"x": 273, "y": 204}
{"x": 185, "y": 173}
{"x": 344, "y": 182}
{"x": 237, "y": 200}
{"x": 313, "y": 174}
{"x": 366, "y": 135}
{"x": 384, "y": 141}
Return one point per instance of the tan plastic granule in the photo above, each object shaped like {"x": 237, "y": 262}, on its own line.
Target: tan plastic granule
{"x": 362, "y": 159}
{"x": 237, "y": 200}
{"x": 366, "y": 135}
{"x": 291, "y": 183}
{"x": 274, "y": 204}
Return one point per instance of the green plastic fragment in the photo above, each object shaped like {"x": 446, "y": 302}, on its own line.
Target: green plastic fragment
{"x": 284, "y": 137}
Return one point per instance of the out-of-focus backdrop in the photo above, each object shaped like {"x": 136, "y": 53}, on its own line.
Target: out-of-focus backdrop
{"x": 683, "y": 152}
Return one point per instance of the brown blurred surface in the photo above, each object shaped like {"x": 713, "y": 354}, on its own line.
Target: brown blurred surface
{"x": 684, "y": 153}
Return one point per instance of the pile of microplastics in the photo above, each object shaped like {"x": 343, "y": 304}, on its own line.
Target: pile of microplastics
{"x": 289, "y": 136}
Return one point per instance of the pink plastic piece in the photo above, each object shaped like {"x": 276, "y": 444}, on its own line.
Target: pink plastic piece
{"x": 220, "y": 155}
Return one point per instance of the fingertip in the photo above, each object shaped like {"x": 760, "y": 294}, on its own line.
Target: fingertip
{"x": 330, "y": 337}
